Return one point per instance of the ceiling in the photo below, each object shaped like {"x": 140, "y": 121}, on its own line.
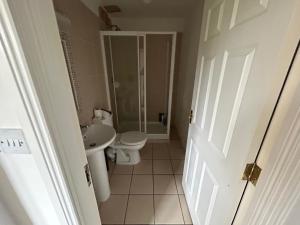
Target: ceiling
{"x": 155, "y": 8}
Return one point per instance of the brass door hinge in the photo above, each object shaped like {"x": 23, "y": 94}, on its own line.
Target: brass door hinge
{"x": 251, "y": 173}
{"x": 191, "y": 116}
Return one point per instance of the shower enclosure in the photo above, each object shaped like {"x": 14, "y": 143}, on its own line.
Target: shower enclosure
{"x": 139, "y": 69}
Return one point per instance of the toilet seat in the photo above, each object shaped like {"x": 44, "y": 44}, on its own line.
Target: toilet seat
{"x": 133, "y": 138}
{"x": 126, "y": 146}
{"x": 125, "y": 149}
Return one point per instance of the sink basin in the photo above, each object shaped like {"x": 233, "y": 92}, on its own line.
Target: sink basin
{"x": 97, "y": 137}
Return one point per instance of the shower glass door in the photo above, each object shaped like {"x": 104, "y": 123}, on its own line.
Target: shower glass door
{"x": 158, "y": 54}
{"x": 125, "y": 81}
{"x": 139, "y": 69}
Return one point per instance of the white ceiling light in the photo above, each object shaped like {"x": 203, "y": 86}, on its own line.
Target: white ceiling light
{"x": 147, "y": 1}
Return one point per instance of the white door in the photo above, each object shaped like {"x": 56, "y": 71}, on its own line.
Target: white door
{"x": 235, "y": 91}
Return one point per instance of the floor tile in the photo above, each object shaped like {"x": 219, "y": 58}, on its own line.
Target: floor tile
{"x": 177, "y": 154}
{"x": 123, "y": 169}
{"x": 178, "y": 180}
{"x": 148, "y": 146}
{"x": 164, "y": 184}
{"x": 146, "y": 152}
{"x": 144, "y": 167}
{"x": 161, "y": 154}
{"x": 177, "y": 166}
{"x": 167, "y": 209}
{"x": 140, "y": 210}
{"x": 120, "y": 184}
{"x": 174, "y": 144}
{"x": 162, "y": 167}
{"x": 160, "y": 146}
{"x": 114, "y": 209}
{"x": 160, "y": 151}
{"x": 174, "y": 135}
{"x": 141, "y": 184}
{"x": 185, "y": 210}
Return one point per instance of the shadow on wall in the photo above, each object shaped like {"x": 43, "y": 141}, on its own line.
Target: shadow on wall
{"x": 186, "y": 76}
{"x": 87, "y": 58}
{"x": 11, "y": 210}
{"x": 176, "y": 79}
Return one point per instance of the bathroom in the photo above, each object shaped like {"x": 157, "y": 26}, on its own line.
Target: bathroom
{"x": 149, "y": 112}
{"x": 131, "y": 76}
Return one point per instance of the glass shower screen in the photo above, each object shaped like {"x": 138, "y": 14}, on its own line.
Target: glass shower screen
{"x": 125, "y": 81}
{"x": 158, "y": 54}
{"x": 140, "y": 68}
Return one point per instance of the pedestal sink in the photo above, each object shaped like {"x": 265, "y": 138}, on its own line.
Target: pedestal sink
{"x": 96, "y": 138}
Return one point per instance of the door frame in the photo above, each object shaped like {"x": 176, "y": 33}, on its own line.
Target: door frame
{"x": 272, "y": 156}
{"x": 21, "y": 35}
{"x": 251, "y": 199}
{"x": 171, "y": 75}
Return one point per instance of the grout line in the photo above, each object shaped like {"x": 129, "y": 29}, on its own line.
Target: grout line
{"x": 114, "y": 173}
{"x": 153, "y": 174}
{"x": 178, "y": 193}
{"x": 154, "y": 219}
{"x": 181, "y": 210}
{"x": 128, "y": 196}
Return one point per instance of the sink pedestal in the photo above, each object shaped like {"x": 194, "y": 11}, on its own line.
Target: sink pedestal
{"x": 96, "y": 138}
{"x": 99, "y": 175}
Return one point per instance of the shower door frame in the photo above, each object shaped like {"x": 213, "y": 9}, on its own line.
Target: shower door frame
{"x": 143, "y": 34}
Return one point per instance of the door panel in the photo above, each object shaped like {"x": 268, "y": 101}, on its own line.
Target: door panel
{"x": 205, "y": 89}
{"x": 234, "y": 95}
{"x": 244, "y": 10}
{"x": 192, "y": 164}
{"x": 231, "y": 86}
{"x": 214, "y": 20}
{"x": 206, "y": 195}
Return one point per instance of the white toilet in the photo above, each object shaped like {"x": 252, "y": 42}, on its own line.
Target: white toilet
{"x": 126, "y": 147}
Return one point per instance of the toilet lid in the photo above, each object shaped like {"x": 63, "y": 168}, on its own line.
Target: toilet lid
{"x": 133, "y": 138}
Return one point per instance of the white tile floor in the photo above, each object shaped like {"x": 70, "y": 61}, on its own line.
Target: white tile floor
{"x": 150, "y": 192}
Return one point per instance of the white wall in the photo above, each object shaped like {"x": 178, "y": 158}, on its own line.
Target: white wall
{"x": 149, "y": 24}
{"x": 5, "y": 215}
{"x": 185, "y": 80}
{"x": 23, "y": 173}
{"x": 11, "y": 210}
